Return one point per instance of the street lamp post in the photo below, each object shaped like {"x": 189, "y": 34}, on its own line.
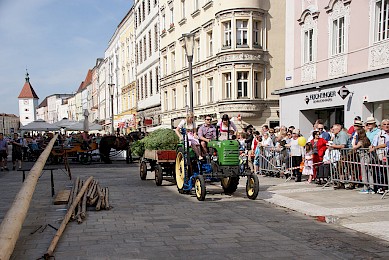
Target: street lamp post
{"x": 111, "y": 91}
{"x": 189, "y": 45}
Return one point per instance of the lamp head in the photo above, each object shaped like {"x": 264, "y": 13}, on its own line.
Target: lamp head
{"x": 189, "y": 43}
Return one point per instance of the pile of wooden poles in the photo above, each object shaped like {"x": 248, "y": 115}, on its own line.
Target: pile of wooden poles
{"x": 94, "y": 196}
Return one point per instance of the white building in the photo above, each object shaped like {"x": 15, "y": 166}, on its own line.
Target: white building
{"x": 147, "y": 62}
{"x": 235, "y": 63}
{"x": 57, "y": 107}
{"x": 28, "y": 103}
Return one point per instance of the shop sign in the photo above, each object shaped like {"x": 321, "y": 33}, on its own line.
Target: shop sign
{"x": 320, "y": 97}
{"x": 147, "y": 122}
{"x": 343, "y": 92}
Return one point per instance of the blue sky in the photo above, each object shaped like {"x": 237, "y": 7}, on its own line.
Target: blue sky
{"x": 56, "y": 40}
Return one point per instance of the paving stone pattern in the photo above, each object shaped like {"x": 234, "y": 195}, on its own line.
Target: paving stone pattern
{"x": 150, "y": 222}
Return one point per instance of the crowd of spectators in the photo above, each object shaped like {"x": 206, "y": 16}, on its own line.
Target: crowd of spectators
{"x": 322, "y": 148}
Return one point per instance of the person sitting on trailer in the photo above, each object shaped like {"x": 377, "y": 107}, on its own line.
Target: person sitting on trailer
{"x": 227, "y": 128}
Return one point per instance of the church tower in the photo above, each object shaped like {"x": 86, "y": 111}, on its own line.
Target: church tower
{"x": 28, "y": 102}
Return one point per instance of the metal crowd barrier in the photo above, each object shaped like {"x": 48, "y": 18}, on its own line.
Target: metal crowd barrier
{"x": 274, "y": 161}
{"x": 361, "y": 167}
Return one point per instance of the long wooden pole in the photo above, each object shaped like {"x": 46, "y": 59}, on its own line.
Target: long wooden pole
{"x": 65, "y": 221}
{"x": 13, "y": 220}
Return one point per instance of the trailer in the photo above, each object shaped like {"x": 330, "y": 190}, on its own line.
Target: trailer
{"x": 162, "y": 162}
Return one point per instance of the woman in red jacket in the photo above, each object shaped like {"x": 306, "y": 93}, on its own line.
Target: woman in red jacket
{"x": 319, "y": 148}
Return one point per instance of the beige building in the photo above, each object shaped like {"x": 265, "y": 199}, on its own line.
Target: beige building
{"x": 126, "y": 119}
{"x": 237, "y": 63}
{"x": 9, "y": 124}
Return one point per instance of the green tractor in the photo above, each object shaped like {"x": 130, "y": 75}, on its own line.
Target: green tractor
{"x": 222, "y": 164}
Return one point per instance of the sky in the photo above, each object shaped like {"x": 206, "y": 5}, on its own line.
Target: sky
{"x": 57, "y": 41}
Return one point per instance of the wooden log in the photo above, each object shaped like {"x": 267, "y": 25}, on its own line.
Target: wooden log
{"x": 61, "y": 229}
{"x": 13, "y": 220}
{"x": 90, "y": 189}
{"x": 107, "y": 198}
{"x": 75, "y": 193}
{"x": 98, "y": 205}
{"x": 103, "y": 199}
{"x": 93, "y": 201}
{"x": 83, "y": 207}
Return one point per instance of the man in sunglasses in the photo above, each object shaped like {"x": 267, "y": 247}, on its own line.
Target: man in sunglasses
{"x": 206, "y": 133}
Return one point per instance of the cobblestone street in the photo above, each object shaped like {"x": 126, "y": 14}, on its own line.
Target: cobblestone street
{"x": 150, "y": 222}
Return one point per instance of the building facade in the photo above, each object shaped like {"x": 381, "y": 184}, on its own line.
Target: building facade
{"x": 147, "y": 62}
{"x": 338, "y": 64}
{"x": 126, "y": 119}
{"x": 235, "y": 66}
{"x": 9, "y": 124}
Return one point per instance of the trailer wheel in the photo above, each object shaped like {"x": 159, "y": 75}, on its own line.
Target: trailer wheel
{"x": 230, "y": 184}
{"x": 180, "y": 171}
{"x": 252, "y": 186}
{"x": 200, "y": 188}
{"x": 143, "y": 170}
{"x": 158, "y": 175}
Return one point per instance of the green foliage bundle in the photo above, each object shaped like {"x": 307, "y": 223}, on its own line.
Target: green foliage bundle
{"x": 161, "y": 139}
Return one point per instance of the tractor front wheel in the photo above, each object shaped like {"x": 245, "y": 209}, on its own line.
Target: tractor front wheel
{"x": 252, "y": 186}
{"x": 180, "y": 171}
{"x": 200, "y": 188}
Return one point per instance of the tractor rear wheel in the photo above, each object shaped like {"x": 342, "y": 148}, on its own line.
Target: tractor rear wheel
{"x": 143, "y": 170}
{"x": 158, "y": 175}
{"x": 230, "y": 184}
{"x": 180, "y": 171}
{"x": 252, "y": 186}
{"x": 200, "y": 188}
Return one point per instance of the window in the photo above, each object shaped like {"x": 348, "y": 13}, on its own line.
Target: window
{"x": 143, "y": 10}
{"x": 156, "y": 37}
{"x": 308, "y": 46}
{"x": 136, "y": 19}
{"x": 148, "y": 7}
{"x": 166, "y": 101}
{"x": 173, "y": 61}
{"x": 145, "y": 47}
{"x": 151, "y": 82}
{"x": 146, "y": 90}
{"x": 165, "y": 65}
{"x": 211, "y": 94}
{"x": 156, "y": 80}
{"x": 241, "y": 33}
{"x": 210, "y": 44}
{"x": 198, "y": 87}
{"x": 243, "y": 83}
{"x": 140, "y": 16}
{"x": 138, "y": 89}
{"x": 171, "y": 17}
{"x": 150, "y": 49}
{"x": 256, "y": 33}
{"x": 155, "y": 2}
{"x": 185, "y": 95}
{"x": 163, "y": 24}
{"x": 183, "y": 9}
{"x": 227, "y": 84}
{"x": 174, "y": 104}
{"x": 26, "y": 110}
{"x": 338, "y": 36}
{"x": 257, "y": 84}
{"x": 227, "y": 34}
{"x": 140, "y": 52}
{"x": 382, "y": 20}
{"x": 197, "y": 44}
{"x": 27, "y": 117}
{"x": 141, "y": 88}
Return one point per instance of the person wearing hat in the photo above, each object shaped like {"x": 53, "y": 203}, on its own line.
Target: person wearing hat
{"x": 227, "y": 128}
{"x": 372, "y": 129}
{"x": 354, "y": 136}
{"x": 351, "y": 128}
